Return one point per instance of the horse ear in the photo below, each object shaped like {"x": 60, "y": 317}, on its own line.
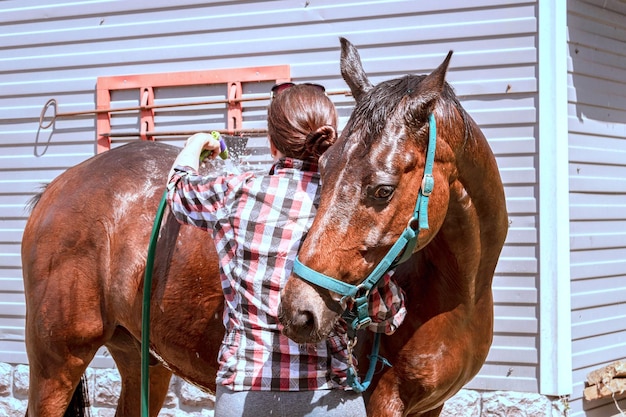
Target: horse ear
{"x": 352, "y": 70}
{"x": 432, "y": 85}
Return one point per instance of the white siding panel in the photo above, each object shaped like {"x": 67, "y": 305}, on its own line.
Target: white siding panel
{"x": 597, "y": 319}
{"x": 597, "y": 154}
{"x": 495, "y": 375}
{"x": 596, "y": 292}
{"x": 58, "y": 50}
{"x": 598, "y": 235}
{"x": 583, "y": 206}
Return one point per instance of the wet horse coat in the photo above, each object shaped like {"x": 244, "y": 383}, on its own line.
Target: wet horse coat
{"x": 371, "y": 179}
{"x": 83, "y": 255}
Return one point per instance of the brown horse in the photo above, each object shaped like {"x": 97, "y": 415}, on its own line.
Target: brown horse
{"x": 84, "y": 254}
{"x": 371, "y": 178}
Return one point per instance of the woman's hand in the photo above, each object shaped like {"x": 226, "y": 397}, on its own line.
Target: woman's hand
{"x": 203, "y": 142}
{"x": 190, "y": 155}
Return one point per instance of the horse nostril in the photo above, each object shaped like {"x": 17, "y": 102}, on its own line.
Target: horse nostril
{"x": 304, "y": 319}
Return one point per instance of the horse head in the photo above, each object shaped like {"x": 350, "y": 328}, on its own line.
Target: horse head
{"x": 375, "y": 179}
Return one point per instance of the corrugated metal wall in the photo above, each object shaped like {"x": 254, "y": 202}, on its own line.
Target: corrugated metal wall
{"x": 597, "y": 153}
{"x": 59, "y": 50}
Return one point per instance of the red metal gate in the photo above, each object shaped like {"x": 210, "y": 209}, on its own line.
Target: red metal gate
{"x": 145, "y": 84}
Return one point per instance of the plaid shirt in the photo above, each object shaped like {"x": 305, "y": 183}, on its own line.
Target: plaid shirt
{"x": 258, "y": 224}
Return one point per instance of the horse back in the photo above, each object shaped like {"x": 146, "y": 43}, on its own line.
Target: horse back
{"x": 96, "y": 210}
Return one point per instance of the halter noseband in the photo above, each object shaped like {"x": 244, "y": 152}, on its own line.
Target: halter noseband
{"x": 399, "y": 252}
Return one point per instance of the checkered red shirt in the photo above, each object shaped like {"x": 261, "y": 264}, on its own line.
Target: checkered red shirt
{"x": 258, "y": 224}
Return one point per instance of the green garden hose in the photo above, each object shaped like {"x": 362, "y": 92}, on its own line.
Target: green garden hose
{"x": 147, "y": 289}
{"x": 145, "y": 313}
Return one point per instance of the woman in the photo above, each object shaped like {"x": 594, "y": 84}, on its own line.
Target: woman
{"x": 258, "y": 223}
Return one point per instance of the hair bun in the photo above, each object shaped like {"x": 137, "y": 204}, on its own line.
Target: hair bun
{"x": 318, "y": 141}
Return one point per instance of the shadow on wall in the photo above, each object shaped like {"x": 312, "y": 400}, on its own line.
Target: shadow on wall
{"x": 597, "y": 50}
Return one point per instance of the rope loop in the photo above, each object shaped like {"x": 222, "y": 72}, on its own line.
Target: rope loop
{"x": 50, "y": 103}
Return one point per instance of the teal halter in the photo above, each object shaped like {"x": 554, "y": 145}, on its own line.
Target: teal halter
{"x": 399, "y": 252}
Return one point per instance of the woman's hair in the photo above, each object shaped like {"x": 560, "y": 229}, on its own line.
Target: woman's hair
{"x": 302, "y": 122}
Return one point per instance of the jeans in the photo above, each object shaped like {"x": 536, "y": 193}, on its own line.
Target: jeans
{"x": 319, "y": 403}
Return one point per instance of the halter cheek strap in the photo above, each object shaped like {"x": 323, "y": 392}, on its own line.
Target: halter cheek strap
{"x": 399, "y": 252}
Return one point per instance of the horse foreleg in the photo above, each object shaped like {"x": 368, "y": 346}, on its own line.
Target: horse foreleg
{"x": 386, "y": 401}
{"x": 392, "y": 398}
{"x": 127, "y": 355}
{"x": 53, "y": 380}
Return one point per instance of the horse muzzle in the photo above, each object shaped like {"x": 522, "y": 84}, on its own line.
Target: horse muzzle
{"x": 303, "y": 313}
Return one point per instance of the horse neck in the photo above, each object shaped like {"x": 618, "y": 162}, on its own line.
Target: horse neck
{"x": 464, "y": 253}
{"x": 479, "y": 175}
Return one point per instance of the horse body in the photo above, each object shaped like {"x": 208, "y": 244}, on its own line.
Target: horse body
{"x": 84, "y": 253}
{"x": 371, "y": 179}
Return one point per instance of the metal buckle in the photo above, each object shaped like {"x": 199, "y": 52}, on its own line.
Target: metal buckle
{"x": 413, "y": 224}
{"x": 358, "y": 324}
{"x": 361, "y": 291}
{"x": 428, "y": 183}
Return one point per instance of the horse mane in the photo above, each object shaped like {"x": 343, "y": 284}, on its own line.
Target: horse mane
{"x": 393, "y": 96}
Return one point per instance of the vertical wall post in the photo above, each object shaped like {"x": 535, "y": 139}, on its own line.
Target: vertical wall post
{"x": 555, "y": 325}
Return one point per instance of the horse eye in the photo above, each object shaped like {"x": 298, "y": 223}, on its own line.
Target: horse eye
{"x": 383, "y": 192}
